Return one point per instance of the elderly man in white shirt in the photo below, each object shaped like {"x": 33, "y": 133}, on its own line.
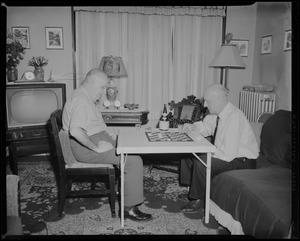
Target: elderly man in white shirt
{"x": 236, "y": 146}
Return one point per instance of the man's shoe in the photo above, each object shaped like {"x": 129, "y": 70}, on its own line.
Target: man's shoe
{"x": 193, "y": 206}
{"x": 183, "y": 197}
{"x": 136, "y": 215}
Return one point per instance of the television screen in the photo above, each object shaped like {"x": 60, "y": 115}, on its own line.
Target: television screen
{"x": 32, "y": 104}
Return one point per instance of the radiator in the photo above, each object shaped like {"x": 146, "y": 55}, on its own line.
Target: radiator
{"x": 255, "y": 103}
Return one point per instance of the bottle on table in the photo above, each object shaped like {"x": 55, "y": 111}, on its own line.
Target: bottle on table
{"x": 163, "y": 121}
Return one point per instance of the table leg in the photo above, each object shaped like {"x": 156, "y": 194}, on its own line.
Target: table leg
{"x": 207, "y": 191}
{"x": 122, "y": 189}
{"x": 207, "y": 198}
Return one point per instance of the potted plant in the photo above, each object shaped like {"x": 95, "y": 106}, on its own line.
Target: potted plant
{"x": 14, "y": 53}
{"x": 38, "y": 63}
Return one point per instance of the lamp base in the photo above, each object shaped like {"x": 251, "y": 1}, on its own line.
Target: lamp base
{"x": 111, "y": 91}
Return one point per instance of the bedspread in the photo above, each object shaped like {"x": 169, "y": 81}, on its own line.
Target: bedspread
{"x": 260, "y": 199}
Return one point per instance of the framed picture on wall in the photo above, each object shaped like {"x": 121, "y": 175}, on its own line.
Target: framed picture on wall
{"x": 288, "y": 40}
{"x": 242, "y": 46}
{"x": 54, "y": 38}
{"x": 266, "y": 44}
{"x": 22, "y": 35}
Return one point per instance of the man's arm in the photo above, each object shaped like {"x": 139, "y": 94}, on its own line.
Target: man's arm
{"x": 205, "y": 127}
{"x": 80, "y": 135}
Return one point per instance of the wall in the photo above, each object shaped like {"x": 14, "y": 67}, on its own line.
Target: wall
{"x": 252, "y": 23}
{"x": 241, "y": 21}
{"x": 37, "y": 18}
{"x": 275, "y": 68}
{"x": 245, "y": 22}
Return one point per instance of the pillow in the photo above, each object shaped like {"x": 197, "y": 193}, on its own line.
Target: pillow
{"x": 276, "y": 141}
{"x": 66, "y": 148}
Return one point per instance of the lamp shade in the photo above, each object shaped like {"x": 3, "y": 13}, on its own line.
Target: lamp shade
{"x": 113, "y": 66}
{"x": 228, "y": 56}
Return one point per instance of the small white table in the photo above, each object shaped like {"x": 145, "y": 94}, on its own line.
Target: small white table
{"x": 135, "y": 141}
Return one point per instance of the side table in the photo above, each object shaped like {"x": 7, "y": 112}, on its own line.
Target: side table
{"x": 124, "y": 116}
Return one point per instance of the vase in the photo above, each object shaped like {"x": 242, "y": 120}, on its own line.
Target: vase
{"x": 12, "y": 74}
{"x": 39, "y": 73}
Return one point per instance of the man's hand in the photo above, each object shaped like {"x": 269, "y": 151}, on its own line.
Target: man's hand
{"x": 188, "y": 128}
{"x": 103, "y": 146}
{"x": 112, "y": 134}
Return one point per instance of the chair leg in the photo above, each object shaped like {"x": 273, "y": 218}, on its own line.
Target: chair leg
{"x": 62, "y": 196}
{"x": 112, "y": 192}
{"x": 69, "y": 185}
{"x": 93, "y": 185}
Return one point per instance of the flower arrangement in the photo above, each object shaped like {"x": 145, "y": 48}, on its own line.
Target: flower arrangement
{"x": 14, "y": 51}
{"x": 39, "y": 61}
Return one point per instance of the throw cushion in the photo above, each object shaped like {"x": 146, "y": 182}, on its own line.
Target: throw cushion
{"x": 276, "y": 140}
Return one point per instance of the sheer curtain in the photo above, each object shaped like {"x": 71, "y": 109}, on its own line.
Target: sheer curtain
{"x": 166, "y": 50}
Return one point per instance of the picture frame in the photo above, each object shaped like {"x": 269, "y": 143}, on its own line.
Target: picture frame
{"x": 266, "y": 44}
{"x": 22, "y": 35}
{"x": 288, "y": 40}
{"x": 54, "y": 38}
{"x": 242, "y": 46}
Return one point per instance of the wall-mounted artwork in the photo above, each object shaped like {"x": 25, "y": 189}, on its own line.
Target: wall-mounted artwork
{"x": 242, "y": 46}
{"x": 22, "y": 35}
{"x": 54, "y": 38}
{"x": 266, "y": 44}
{"x": 288, "y": 40}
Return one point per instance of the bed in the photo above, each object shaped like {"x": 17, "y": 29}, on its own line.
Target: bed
{"x": 258, "y": 202}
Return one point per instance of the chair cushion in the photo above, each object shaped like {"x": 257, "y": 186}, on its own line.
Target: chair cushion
{"x": 88, "y": 165}
{"x": 66, "y": 148}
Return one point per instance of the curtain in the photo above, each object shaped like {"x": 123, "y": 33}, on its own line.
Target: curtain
{"x": 166, "y": 51}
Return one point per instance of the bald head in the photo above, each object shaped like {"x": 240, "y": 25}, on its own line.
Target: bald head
{"x": 95, "y": 77}
{"x": 215, "y": 91}
{"x": 95, "y": 82}
{"x": 216, "y": 98}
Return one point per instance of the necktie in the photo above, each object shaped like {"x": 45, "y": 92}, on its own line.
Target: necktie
{"x": 215, "y": 132}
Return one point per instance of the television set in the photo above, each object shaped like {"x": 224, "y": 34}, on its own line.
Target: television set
{"x": 29, "y": 105}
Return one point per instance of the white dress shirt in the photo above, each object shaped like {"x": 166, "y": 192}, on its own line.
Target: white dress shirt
{"x": 234, "y": 138}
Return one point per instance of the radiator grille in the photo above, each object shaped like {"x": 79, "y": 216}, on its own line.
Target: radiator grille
{"x": 255, "y": 103}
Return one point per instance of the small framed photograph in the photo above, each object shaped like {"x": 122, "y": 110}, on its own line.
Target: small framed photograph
{"x": 266, "y": 44}
{"x": 288, "y": 40}
{"x": 54, "y": 38}
{"x": 22, "y": 35}
{"x": 242, "y": 46}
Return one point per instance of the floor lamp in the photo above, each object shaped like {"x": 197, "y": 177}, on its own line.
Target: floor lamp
{"x": 228, "y": 56}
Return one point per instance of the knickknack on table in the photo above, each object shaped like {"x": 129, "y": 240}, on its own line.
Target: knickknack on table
{"x": 14, "y": 53}
{"x": 38, "y": 63}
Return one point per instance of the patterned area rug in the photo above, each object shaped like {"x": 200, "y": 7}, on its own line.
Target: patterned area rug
{"x": 92, "y": 216}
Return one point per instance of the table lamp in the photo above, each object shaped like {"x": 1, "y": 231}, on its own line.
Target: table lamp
{"x": 228, "y": 56}
{"x": 114, "y": 68}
